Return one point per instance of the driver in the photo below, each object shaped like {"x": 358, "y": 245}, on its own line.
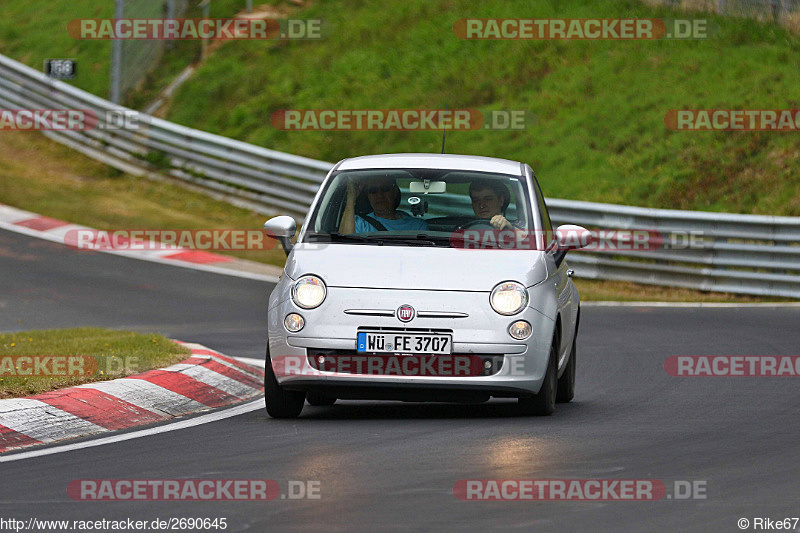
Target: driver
{"x": 490, "y": 198}
{"x": 384, "y": 197}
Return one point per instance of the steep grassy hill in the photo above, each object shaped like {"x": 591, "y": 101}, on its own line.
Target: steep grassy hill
{"x": 600, "y": 105}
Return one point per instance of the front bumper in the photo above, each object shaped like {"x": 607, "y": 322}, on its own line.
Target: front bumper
{"x": 484, "y": 333}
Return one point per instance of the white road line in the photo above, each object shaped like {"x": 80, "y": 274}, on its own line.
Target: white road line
{"x": 30, "y": 232}
{"x": 173, "y": 426}
{"x": 12, "y": 214}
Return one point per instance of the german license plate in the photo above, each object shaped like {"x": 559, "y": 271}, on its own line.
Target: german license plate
{"x": 384, "y": 342}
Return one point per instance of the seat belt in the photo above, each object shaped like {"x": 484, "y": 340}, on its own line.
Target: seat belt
{"x": 374, "y": 223}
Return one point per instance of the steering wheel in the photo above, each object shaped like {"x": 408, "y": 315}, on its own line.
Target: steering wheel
{"x": 479, "y": 223}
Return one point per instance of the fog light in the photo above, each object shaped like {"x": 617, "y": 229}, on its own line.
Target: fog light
{"x": 294, "y": 322}
{"x": 520, "y": 330}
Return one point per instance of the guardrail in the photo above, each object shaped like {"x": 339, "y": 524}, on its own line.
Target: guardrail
{"x": 745, "y": 254}
{"x": 263, "y": 179}
{"x": 748, "y": 254}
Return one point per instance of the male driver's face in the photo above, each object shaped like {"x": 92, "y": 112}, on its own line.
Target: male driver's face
{"x": 486, "y": 203}
{"x": 381, "y": 194}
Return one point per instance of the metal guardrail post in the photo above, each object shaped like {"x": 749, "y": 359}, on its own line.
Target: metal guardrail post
{"x": 116, "y": 57}
{"x": 206, "y": 5}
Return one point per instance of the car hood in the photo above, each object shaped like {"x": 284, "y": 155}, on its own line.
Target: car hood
{"x": 415, "y": 267}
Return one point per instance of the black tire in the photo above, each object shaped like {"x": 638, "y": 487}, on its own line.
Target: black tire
{"x": 280, "y": 403}
{"x": 319, "y": 399}
{"x": 544, "y": 403}
{"x": 566, "y": 383}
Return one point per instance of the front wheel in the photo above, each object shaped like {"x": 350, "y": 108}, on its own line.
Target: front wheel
{"x": 281, "y": 403}
{"x": 566, "y": 383}
{"x": 544, "y": 403}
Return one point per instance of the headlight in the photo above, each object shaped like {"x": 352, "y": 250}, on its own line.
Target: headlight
{"x": 309, "y": 292}
{"x": 509, "y": 298}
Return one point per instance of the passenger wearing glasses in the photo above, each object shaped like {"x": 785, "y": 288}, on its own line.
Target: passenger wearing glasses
{"x": 384, "y": 197}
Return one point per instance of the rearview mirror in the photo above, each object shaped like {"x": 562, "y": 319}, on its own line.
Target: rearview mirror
{"x": 427, "y": 187}
{"x": 282, "y": 228}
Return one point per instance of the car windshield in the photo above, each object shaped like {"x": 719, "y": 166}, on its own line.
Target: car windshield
{"x": 417, "y": 206}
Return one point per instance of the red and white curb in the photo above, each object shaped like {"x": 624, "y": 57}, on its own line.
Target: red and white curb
{"x": 206, "y": 380}
{"x": 52, "y": 229}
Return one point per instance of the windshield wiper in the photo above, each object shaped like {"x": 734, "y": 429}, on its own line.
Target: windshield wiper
{"x": 340, "y": 237}
{"x": 410, "y": 241}
{"x": 420, "y": 239}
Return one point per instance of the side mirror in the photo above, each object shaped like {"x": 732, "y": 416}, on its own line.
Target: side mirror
{"x": 571, "y": 237}
{"x": 282, "y": 228}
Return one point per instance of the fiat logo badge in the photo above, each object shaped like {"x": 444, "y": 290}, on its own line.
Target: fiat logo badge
{"x": 405, "y": 313}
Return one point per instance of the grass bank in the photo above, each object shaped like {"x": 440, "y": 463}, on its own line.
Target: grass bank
{"x": 33, "y": 362}
{"x": 599, "y": 133}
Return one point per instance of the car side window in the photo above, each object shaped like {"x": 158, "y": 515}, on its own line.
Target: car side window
{"x": 547, "y": 226}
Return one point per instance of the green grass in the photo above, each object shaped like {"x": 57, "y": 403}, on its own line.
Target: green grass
{"x": 600, "y": 105}
{"x": 40, "y": 175}
{"x": 115, "y": 354}
{"x": 183, "y": 53}
{"x": 32, "y": 31}
{"x": 599, "y": 133}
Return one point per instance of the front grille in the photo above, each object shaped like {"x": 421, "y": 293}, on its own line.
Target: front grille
{"x": 405, "y": 330}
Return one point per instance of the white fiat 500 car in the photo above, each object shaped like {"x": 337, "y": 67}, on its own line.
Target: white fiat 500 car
{"x": 424, "y": 277}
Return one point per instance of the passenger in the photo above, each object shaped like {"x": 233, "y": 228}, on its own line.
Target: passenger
{"x": 384, "y": 197}
{"x": 490, "y": 200}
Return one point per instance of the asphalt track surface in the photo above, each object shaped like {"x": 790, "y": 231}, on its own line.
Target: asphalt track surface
{"x": 394, "y": 465}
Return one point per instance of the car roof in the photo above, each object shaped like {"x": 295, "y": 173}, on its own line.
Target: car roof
{"x": 433, "y": 161}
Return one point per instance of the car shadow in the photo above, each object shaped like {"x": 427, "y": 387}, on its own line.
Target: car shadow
{"x": 365, "y": 410}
